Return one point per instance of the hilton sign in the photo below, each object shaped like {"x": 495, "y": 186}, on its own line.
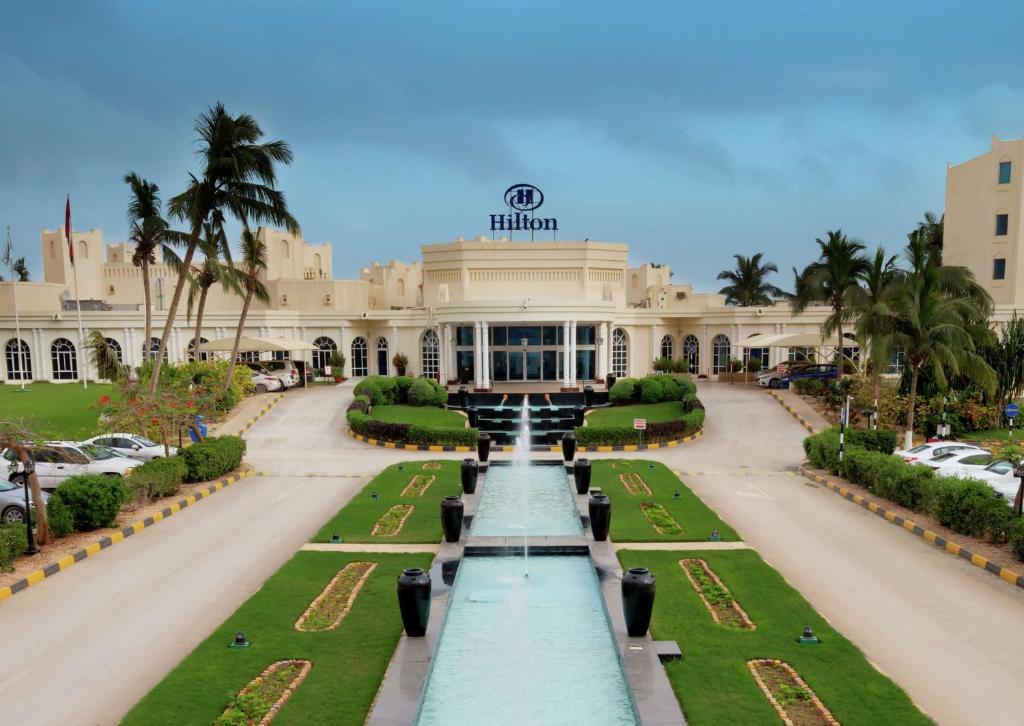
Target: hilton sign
{"x": 523, "y": 199}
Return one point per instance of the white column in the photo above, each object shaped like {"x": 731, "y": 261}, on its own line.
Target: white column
{"x": 565, "y": 354}
{"x": 344, "y": 350}
{"x": 442, "y": 367}
{"x": 655, "y": 352}
{"x": 40, "y": 359}
{"x": 446, "y": 352}
{"x": 602, "y": 350}
{"x": 393, "y": 349}
{"x": 572, "y": 355}
{"x": 477, "y": 362}
{"x": 485, "y": 347}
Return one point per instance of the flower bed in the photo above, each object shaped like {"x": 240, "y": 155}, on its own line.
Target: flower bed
{"x": 634, "y": 484}
{"x": 792, "y": 698}
{"x": 418, "y": 485}
{"x": 332, "y": 605}
{"x": 392, "y": 521}
{"x": 660, "y": 519}
{"x": 262, "y": 699}
{"x": 715, "y": 595}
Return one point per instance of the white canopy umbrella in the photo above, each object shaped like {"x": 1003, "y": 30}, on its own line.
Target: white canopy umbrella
{"x": 793, "y": 340}
{"x": 226, "y": 345}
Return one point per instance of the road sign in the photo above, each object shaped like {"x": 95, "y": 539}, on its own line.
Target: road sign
{"x": 1011, "y": 410}
{"x": 640, "y": 424}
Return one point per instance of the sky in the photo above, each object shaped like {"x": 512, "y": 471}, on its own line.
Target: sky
{"x": 690, "y": 130}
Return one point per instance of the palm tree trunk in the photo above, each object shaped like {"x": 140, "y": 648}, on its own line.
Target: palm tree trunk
{"x": 199, "y": 322}
{"x": 42, "y": 525}
{"x": 172, "y": 311}
{"x": 839, "y": 360}
{"x": 147, "y": 296}
{"x": 912, "y": 399}
{"x": 238, "y": 337}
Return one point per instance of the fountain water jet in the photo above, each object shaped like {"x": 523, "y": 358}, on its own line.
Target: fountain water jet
{"x": 521, "y": 460}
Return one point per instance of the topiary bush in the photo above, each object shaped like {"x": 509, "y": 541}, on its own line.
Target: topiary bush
{"x": 670, "y": 390}
{"x": 626, "y": 435}
{"x": 622, "y": 391}
{"x": 214, "y": 457}
{"x": 93, "y": 499}
{"x": 59, "y": 518}
{"x": 158, "y": 478}
{"x": 404, "y": 383}
{"x": 651, "y": 391}
{"x": 12, "y": 545}
{"x": 379, "y": 389}
{"x": 404, "y": 433}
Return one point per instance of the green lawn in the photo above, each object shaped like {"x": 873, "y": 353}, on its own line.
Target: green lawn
{"x": 356, "y": 519}
{"x": 994, "y": 435}
{"x": 712, "y": 681}
{"x": 348, "y": 662}
{"x": 624, "y": 415}
{"x": 628, "y": 521}
{"x": 55, "y": 411}
{"x": 422, "y": 415}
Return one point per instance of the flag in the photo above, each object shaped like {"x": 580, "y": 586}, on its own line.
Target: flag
{"x": 8, "y": 249}
{"x": 67, "y": 230}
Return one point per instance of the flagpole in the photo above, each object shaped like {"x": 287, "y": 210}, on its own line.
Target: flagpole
{"x": 78, "y": 301}
{"x": 9, "y": 251}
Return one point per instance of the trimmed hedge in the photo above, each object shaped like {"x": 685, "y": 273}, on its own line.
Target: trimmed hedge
{"x": 381, "y": 390}
{"x": 966, "y": 506}
{"x": 59, "y": 518}
{"x": 158, "y": 478}
{"x": 93, "y": 499}
{"x": 404, "y": 433}
{"x": 214, "y": 457}
{"x": 652, "y": 389}
{"x": 12, "y": 545}
{"x": 655, "y": 433}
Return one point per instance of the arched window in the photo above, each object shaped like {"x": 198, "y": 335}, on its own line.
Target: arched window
{"x": 19, "y": 360}
{"x": 154, "y": 348}
{"x": 666, "y": 346}
{"x": 53, "y": 249}
{"x": 620, "y": 353}
{"x": 83, "y": 249}
{"x": 691, "y": 354}
{"x": 401, "y": 288}
{"x": 360, "y": 365}
{"x": 720, "y": 356}
{"x": 430, "y": 354}
{"x": 64, "y": 360}
{"x": 191, "y": 354}
{"x": 322, "y": 355}
{"x": 317, "y": 263}
{"x": 116, "y": 347}
{"x": 382, "y": 356}
{"x": 285, "y": 250}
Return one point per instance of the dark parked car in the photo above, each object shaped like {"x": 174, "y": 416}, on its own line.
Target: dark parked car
{"x": 818, "y": 370}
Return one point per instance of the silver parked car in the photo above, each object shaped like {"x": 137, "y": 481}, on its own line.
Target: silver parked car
{"x": 12, "y": 502}
{"x": 131, "y": 445}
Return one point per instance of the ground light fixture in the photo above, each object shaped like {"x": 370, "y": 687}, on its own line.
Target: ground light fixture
{"x": 240, "y": 641}
{"x": 808, "y": 637}
{"x": 676, "y": 494}
{"x": 336, "y": 538}
{"x": 714, "y": 536}
{"x": 374, "y": 496}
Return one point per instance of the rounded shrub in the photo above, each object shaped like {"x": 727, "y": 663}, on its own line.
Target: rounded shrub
{"x": 670, "y": 390}
{"x": 651, "y": 391}
{"x": 158, "y": 478}
{"x": 214, "y": 457}
{"x": 93, "y": 499}
{"x": 12, "y": 545}
{"x": 622, "y": 392}
{"x": 421, "y": 393}
{"x": 59, "y": 518}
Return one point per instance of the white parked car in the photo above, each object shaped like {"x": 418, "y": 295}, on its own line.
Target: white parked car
{"x": 58, "y": 460}
{"x": 925, "y": 452}
{"x": 131, "y": 445}
{"x": 965, "y": 462}
{"x": 285, "y": 370}
{"x": 999, "y": 476}
{"x": 263, "y": 382}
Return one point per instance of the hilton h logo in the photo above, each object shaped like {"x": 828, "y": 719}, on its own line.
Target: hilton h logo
{"x": 524, "y": 198}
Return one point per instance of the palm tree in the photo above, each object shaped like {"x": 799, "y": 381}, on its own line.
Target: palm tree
{"x": 747, "y": 285}
{"x": 252, "y": 264}
{"x": 21, "y": 270}
{"x": 834, "y": 279}
{"x": 212, "y": 271}
{"x": 932, "y": 227}
{"x": 940, "y": 319}
{"x": 874, "y": 316}
{"x": 150, "y": 233}
{"x": 237, "y": 179}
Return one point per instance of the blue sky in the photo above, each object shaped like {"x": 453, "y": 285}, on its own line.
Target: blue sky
{"x": 690, "y": 130}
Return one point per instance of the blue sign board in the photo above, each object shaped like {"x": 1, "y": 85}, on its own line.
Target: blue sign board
{"x": 1011, "y": 410}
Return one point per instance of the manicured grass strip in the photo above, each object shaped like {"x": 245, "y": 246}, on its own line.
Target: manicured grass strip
{"x": 624, "y": 415}
{"x": 791, "y": 697}
{"x": 334, "y": 603}
{"x": 418, "y": 485}
{"x": 628, "y": 521}
{"x": 715, "y": 595}
{"x": 431, "y": 465}
{"x": 348, "y": 663}
{"x": 393, "y": 520}
{"x": 421, "y": 415}
{"x": 712, "y": 680}
{"x": 660, "y": 519}
{"x": 55, "y": 411}
{"x": 356, "y": 519}
{"x": 261, "y": 700}
{"x": 634, "y": 483}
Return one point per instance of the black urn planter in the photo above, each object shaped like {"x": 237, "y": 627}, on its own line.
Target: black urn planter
{"x": 414, "y": 601}
{"x": 473, "y": 413}
{"x": 600, "y": 508}
{"x": 401, "y": 370}
{"x": 469, "y": 470}
{"x": 637, "y": 600}
{"x": 463, "y": 397}
{"x": 568, "y": 446}
{"x": 581, "y": 475}
{"x": 451, "y": 518}
{"x": 609, "y": 381}
{"x": 483, "y": 447}
{"x": 577, "y": 412}
{"x": 588, "y": 396}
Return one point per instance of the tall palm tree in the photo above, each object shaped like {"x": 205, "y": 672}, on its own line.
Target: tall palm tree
{"x": 213, "y": 244}
{"x": 940, "y": 319}
{"x": 150, "y": 233}
{"x": 21, "y": 270}
{"x": 875, "y": 317}
{"x": 252, "y": 265}
{"x": 747, "y": 282}
{"x": 237, "y": 179}
{"x": 932, "y": 227}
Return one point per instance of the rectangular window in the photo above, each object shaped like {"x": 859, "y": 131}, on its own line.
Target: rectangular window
{"x": 499, "y": 365}
{"x": 550, "y": 362}
{"x": 550, "y": 335}
{"x": 499, "y": 335}
{"x": 1002, "y": 225}
{"x": 464, "y": 335}
{"x": 585, "y": 335}
{"x": 998, "y": 269}
{"x": 1004, "y": 172}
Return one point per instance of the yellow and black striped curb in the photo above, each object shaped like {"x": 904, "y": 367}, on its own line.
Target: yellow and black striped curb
{"x": 926, "y": 534}
{"x": 259, "y": 414}
{"x": 552, "y": 449}
{"x": 803, "y": 422}
{"x": 101, "y": 544}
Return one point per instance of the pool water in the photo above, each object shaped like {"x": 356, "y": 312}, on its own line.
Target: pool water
{"x": 532, "y": 500}
{"x": 526, "y": 650}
